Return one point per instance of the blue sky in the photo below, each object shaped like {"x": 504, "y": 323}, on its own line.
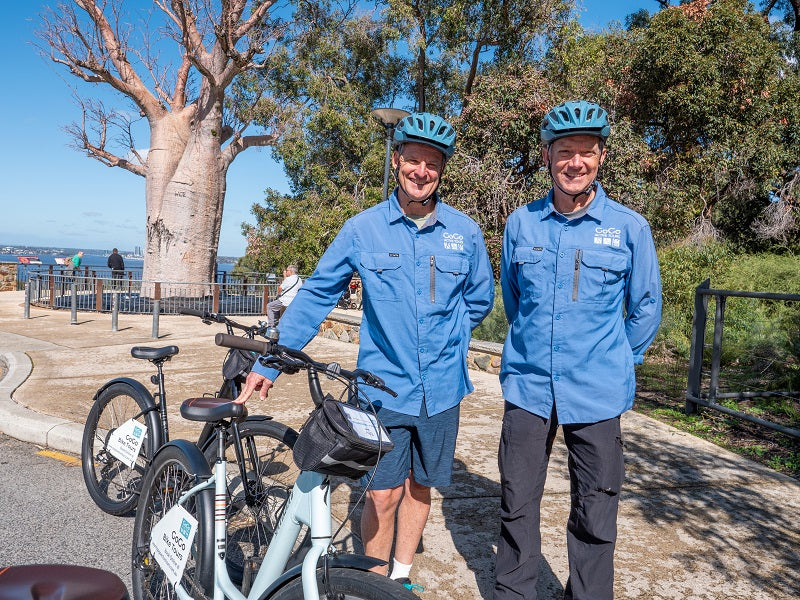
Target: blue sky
{"x": 53, "y": 195}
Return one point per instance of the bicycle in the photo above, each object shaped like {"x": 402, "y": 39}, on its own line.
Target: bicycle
{"x": 127, "y": 425}
{"x": 179, "y": 533}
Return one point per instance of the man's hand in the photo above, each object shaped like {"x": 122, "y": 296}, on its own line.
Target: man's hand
{"x": 254, "y": 382}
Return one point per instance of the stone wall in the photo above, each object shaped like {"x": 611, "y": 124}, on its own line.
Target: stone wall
{"x": 8, "y": 277}
{"x": 482, "y": 356}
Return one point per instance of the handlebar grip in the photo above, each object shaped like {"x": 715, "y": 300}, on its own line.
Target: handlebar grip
{"x": 193, "y": 311}
{"x": 242, "y": 343}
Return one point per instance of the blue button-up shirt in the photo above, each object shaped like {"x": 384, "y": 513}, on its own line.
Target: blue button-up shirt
{"x": 583, "y": 299}
{"x": 423, "y": 291}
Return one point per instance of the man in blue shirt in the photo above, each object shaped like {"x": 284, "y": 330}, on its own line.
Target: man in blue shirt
{"x": 582, "y": 295}
{"x": 427, "y": 282}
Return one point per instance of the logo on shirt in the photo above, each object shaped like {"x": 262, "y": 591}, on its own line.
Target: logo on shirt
{"x": 453, "y": 241}
{"x": 607, "y": 236}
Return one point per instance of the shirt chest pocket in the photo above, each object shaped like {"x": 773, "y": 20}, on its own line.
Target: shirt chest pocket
{"x": 600, "y": 276}
{"x": 447, "y": 273}
{"x": 530, "y": 266}
{"x": 381, "y": 275}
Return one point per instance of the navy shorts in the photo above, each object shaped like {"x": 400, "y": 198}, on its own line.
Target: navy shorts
{"x": 423, "y": 445}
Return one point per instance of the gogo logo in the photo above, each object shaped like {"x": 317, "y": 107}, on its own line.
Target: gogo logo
{"x": 453, "y": 241}
{"x": 607, "y": 236}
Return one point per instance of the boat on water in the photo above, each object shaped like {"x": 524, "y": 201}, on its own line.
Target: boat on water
{"x": 29, "y": 260}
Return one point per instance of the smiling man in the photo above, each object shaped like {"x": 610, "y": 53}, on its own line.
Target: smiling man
{"x": 427, "y": 283}
{"x": 582, "y": 294}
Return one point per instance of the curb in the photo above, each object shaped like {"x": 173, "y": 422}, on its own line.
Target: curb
{"x": 26, "y": 425}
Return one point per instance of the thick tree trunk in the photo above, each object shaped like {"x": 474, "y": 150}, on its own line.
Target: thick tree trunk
{"x": 184, "y": 198}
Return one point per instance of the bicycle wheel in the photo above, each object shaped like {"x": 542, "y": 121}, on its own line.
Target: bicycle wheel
{"x": 348, "y": 584}
{"x": 270, "y": 474}
{"x": 113, "y": 485}
{"x": 176, "y": 469}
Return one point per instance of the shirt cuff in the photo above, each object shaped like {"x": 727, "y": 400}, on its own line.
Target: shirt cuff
{"x": 268, "y": 372}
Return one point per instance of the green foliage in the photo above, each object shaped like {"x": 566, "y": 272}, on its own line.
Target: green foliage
{"x": 495, "y": 326}
{"x": 709, "y": 88}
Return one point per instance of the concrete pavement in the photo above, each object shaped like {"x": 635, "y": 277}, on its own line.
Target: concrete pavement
{"x": 696, "y": 521}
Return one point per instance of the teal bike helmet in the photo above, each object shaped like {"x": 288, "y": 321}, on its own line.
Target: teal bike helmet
{"x": 426, "y": 128}
{"x": 575, "y": 117}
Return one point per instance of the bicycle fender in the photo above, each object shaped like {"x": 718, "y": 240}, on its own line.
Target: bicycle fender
{"x": 136, "y": 385}
{"x": 197, "y": 461}
{"x": 138, "y": 390}
{"x": 359, "y": 562}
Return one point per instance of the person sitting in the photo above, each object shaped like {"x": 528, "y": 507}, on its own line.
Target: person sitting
{"x": 287, "y": 290}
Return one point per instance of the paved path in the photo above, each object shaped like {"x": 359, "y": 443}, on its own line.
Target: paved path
{"x": 696, "y": 521}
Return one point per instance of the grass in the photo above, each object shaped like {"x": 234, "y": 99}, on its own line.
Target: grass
{"x": 660, "y": 395}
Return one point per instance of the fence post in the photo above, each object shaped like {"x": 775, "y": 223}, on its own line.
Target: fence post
{"x": 265, "y": 299}
{"x": 27, "y": 309}
{"x": 74, "y": 316}
{"x": 696, "y": 353}
{"x": 215, "y": 297}
{"x": 98, "y": 295}
{"x": 716, "y": 349}
{"x": 52, "y": 286}
{"x": 115, "y": 310}
{"x": 156, "y": 309}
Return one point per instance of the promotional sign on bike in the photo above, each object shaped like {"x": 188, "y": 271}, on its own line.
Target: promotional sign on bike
{"x": 126, "y": 441}
{"x": 171, "y": 541}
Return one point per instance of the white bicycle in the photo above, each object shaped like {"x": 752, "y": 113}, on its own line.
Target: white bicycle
{"x": 179, "y": 539}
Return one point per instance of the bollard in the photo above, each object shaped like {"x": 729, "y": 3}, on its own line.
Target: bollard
{"x": 156, "y": 307}
{"x": 74, "y": 317}
{"x": 114, "y": 311}
{"x": 27, "y": 309}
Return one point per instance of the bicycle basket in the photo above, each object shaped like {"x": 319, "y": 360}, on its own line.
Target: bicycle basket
{"x": 341, "y": 439}
{"x": 237, "y": 363}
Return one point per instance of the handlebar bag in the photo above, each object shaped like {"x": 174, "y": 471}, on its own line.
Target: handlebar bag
{"x": 237, "y": 363}
{"x": 341, "y": 439}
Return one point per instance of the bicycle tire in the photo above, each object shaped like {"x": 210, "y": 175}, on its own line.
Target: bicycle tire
{"x": 174, "y": 471}
{"x": 348, "y": 584}
{"x": 271, "y": 474}
{"x": 112, "y": 485}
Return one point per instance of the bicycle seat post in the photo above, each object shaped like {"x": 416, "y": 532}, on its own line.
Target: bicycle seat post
{"x": 162, "y": 397}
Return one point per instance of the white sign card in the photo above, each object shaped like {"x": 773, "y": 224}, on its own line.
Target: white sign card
{"x": 171, "y": 541}
{"x": 126, "y": 441}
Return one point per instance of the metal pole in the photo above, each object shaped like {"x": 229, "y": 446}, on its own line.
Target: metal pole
{"x": 156, "y": 310}
{"x": 386, "y": 164}
{"x": 74, "y": 317}
{"x": 27, "y": 309}
{"x": 115, "y": 310}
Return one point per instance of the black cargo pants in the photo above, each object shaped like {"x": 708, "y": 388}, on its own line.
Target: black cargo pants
{"x": 596, "y": 470}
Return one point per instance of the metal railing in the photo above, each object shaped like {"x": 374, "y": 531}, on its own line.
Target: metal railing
{"x": 57, "y": 290}
{"x": 713, "y": 380}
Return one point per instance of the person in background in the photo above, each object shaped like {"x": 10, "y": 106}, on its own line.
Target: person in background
{"x": 76, "y": 262}
{"x": 287, "y": 290}
{"x": 117, "y": 266}
{"x": 426, "y": 283}
{"x": 582, "y": 294}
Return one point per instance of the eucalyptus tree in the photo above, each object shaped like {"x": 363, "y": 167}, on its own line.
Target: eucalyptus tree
{"x": 171, "y": 62}
{"x": 714, "y": 100}
{"x": 416, "y": 55}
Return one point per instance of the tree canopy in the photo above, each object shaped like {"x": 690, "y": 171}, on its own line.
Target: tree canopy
{"x": 702, "y": 97}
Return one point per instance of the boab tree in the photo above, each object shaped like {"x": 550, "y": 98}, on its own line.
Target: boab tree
{"x": 194, "y": 138}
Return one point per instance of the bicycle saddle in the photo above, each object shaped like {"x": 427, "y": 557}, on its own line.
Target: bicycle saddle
{"x": 60, "y": 582}
{"x": 212, "y": 409}
{"x": 153, "y": 353}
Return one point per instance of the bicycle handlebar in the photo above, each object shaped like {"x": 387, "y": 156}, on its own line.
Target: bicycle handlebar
{"x": 294, "y": 359}
{"x": 208, "y": 317}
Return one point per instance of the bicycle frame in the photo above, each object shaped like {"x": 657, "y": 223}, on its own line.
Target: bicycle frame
{"x": 309, "y": 504}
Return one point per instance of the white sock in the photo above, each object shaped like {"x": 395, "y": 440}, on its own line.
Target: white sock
{"x": 399, "y": 570}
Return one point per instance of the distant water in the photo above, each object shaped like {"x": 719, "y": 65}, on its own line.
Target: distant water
{"x": 96, "y": 260}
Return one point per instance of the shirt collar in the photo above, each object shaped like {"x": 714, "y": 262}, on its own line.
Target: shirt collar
{"x": 595, "y": 211}
{"x": 396, "y": 213}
